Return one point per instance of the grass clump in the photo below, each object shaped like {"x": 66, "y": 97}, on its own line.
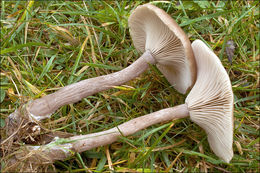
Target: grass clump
{"x": 47, "y": 45}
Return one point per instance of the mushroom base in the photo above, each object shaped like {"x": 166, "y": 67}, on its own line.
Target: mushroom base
{"x": 60, "y": 149}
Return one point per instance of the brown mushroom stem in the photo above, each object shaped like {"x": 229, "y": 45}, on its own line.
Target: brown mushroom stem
{"x": 40, "y": 108}
{"x": 86, "y": 142}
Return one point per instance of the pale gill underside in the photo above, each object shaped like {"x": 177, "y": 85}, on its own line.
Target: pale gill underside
{"x": 150, "y": 33}
{"x": 210, "y": 101}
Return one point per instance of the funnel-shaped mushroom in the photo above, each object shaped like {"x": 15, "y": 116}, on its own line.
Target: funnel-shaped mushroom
{"x": 210, "y": 101}
{"x": 161, "y": 41}
{"x": 209, "y": 104}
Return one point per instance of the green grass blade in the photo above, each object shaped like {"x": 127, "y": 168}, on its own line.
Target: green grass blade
{"x": 76, "y": 64}
{"x": 206, "y": 17}
{"x": 15, "y": 48}
{"x": 46, "y": 69}
{"x": 142, "y": 157}
{"x": 101, "y": 163}
{"x": 102, "y": 66}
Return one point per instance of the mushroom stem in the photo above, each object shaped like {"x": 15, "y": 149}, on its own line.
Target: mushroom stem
{"x": 45, "y": 106}
{"x": 86, "y": 142}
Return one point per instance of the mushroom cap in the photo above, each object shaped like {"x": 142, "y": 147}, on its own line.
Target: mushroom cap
{"x": 210, "y": 102}
{"x": 153, "y": 29}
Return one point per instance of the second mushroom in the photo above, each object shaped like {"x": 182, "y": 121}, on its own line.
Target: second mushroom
{"x": 209, "y": 104}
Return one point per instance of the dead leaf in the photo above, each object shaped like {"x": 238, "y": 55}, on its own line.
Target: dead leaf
{"x": 255, "y": 58}
{"x": 33, "y": 88}
{"x": 82, "y": 70}
{"x": 239, "y": 148}
{"x": 106, "y": 96}
{"x": 132, "y": 157}
{"x": 109, "y": 158}
{"x": 230, "y": 49}
{"x": 16, "y": 71}
{"x": 12, "y": 95}
{"x": 64, "y": 33}
{"x": 13, "y": 14}
{"x": 223, "y": 21}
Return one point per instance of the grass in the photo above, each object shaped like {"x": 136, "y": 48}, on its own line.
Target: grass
{"x": 47, "y": 45}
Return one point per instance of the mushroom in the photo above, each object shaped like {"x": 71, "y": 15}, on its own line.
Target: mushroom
{"x": 209, "y": 104}
{"x": 210, "y": 101}
{"x": 153, "y": 29}
{"x": 161, "y": 41}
